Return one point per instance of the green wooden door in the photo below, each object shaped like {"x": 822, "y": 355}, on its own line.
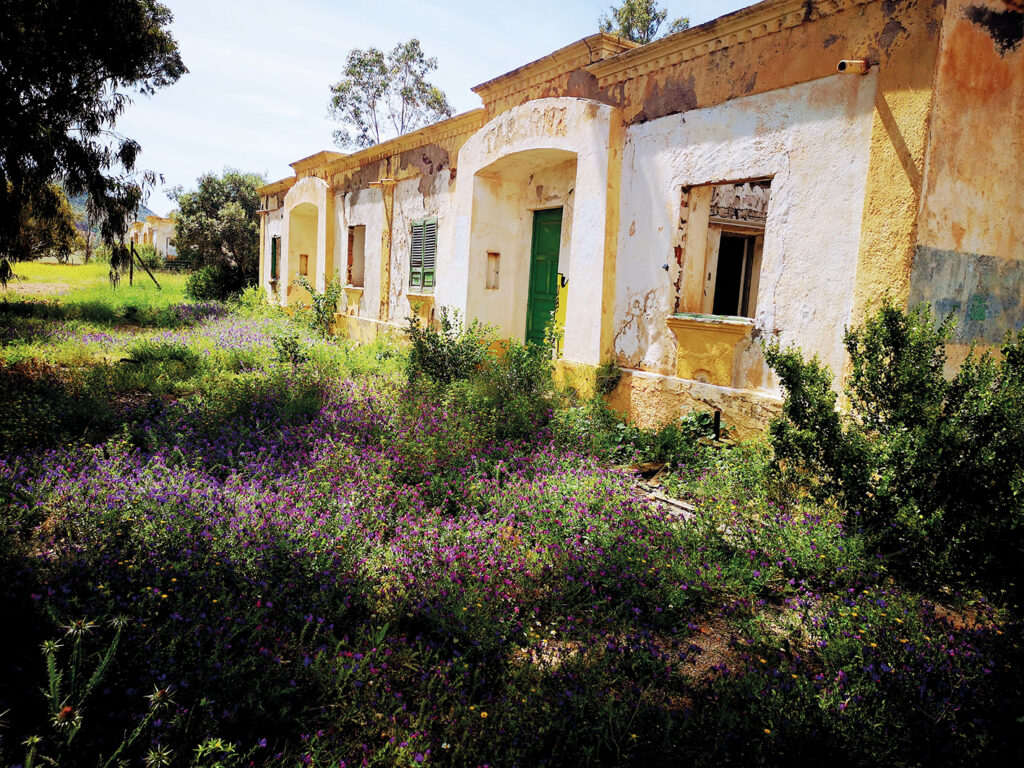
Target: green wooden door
{"x": 547, "y": 234}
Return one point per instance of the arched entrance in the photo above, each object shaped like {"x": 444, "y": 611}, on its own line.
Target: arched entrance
{"x": 561, "y": 156}
{"x": 302, "y": 250}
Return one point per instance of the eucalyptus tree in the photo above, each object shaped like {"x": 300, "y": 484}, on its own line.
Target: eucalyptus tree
{"x": 381, "y": 96}
{"x": 639, "y": 21}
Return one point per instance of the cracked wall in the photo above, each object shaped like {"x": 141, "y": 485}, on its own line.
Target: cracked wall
{"x": 813, "y": 222}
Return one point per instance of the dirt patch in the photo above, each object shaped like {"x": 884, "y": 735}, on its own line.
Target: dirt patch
{"x": 37, "y": 289}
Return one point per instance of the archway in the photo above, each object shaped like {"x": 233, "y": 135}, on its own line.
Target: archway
{"x": 302, "y": 250}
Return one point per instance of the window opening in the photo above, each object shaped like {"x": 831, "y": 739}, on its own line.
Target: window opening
{"x": 423, "y": 257}
{"x": 718, "y": 247}
{"x": 732, "y": 279}
{"x": 493, "y": 268}
{"x": 275, "y": 248}
{"x": 304, "y": 264}
{"x": 356, "y": 255}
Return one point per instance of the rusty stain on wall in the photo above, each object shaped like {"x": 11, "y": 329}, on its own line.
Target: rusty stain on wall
{"x": 429, "y": 161}
{"x": 669, "y": 98}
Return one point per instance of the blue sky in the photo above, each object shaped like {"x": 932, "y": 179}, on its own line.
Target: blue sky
{"x": 256, "y": 94}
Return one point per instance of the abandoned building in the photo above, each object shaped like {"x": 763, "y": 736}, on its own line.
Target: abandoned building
{"x": 157, "y": 231}
{"x": 771, "y": 173}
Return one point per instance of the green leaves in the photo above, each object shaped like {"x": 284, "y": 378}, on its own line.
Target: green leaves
{"x": 932, "y": 464}
{"x": 68, "y": 66}
{"x": 380, "y": 97}
{"x": 639, "y": 21}
{"x": 217, "y": 224}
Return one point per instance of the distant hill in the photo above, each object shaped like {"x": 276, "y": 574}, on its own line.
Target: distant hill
{"x": 78, "y": 206}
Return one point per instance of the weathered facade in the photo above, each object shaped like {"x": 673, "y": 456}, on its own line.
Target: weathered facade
{"x": 769, "y": 174}
{"x": 156, "y": 231}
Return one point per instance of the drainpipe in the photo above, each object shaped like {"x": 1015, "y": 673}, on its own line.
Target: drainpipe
{"x": 854, "y": 67}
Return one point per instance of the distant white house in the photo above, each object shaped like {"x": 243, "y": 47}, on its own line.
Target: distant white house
{"x": 156, "y": 231}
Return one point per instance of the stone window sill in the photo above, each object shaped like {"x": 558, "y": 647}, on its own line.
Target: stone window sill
{"x": 707, "y": 345}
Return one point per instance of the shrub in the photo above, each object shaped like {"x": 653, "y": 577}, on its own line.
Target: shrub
{"x": 148, "y": 255}
{"x": 933, "y": 466}
{"x": 253, "y": 302}
{"x": 597, "y": 429}
{"x": 215, "y": 282}
{"x": 510, "y": 390}
{"x": 448, "y": 353}
{"x": 319, "y": 315}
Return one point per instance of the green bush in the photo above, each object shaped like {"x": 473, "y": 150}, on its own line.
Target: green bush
{"x": 934, "y": 467}
{"x": 595, "y": 428}
{"x": 510, "y": 390}
{"x": 319, "y": 315}
{"x": 448, "y": 353}
{"x": 215, "y": 282}
{"x": 148, "y": 255}
{"x": 253, "y": 302}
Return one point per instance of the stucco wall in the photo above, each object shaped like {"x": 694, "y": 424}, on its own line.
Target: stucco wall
{"x": 413, "y": 201}
{"x": 363, "y": 207}
{"x": 970, "y": 255}
{"x": 812, "y": 140}
{"x": 531, "y": 132}
{"x": 504, "y": 202}
{"x": 313, "y": 234}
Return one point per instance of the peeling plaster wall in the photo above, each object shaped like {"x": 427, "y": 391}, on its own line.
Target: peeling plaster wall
{"x": 503, "y": 205}
{"x": 309, "y": 195}
{"x": 797, "y": 46}
{"x": 363, "y": 207}
{"x": 970, "y": 254}
{"x": 813, "y": 140}
{"x": 273, "y": 226}
{"x": 415, "y": 201}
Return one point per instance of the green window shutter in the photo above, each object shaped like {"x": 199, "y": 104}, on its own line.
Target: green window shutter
{"x": 423, "y": 255}
{"x": 429, "y": 252}
{"x": 273, "y": 257}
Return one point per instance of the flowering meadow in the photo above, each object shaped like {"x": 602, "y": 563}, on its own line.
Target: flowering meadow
{"x": 228, "y": 542}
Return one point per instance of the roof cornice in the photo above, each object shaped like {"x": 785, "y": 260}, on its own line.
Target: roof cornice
{"x": 735, "y": 28}
{"x": 467, "y": 122}
{"x": 313, "y": 161}
{"x": 274, "y": 187}
{"x": 588, "y": 50}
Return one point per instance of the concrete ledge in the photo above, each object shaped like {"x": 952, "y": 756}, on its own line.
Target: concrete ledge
{"x": 364, "y": 330}
{"x": 651, "y": 400}
{"x": 707, "y": 345}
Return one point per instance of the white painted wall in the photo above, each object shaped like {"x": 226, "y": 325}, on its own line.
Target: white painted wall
{"x": 813, "y": 140}
{"x": 306, "y": 194}
{"x": 537, "y": 136}
{"x": 411, "y": 205}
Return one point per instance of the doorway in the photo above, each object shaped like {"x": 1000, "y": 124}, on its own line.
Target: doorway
{"x": 543, "y": 296}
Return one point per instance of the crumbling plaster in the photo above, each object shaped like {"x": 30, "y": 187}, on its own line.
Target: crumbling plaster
{"x": 812, "y": 140}
{"x": 413, "y": 201}
{"x": 969, "y": 259}
{"x": 362, "y": 207}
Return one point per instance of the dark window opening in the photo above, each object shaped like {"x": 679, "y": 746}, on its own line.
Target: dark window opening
{"x": 733, "y": 276}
